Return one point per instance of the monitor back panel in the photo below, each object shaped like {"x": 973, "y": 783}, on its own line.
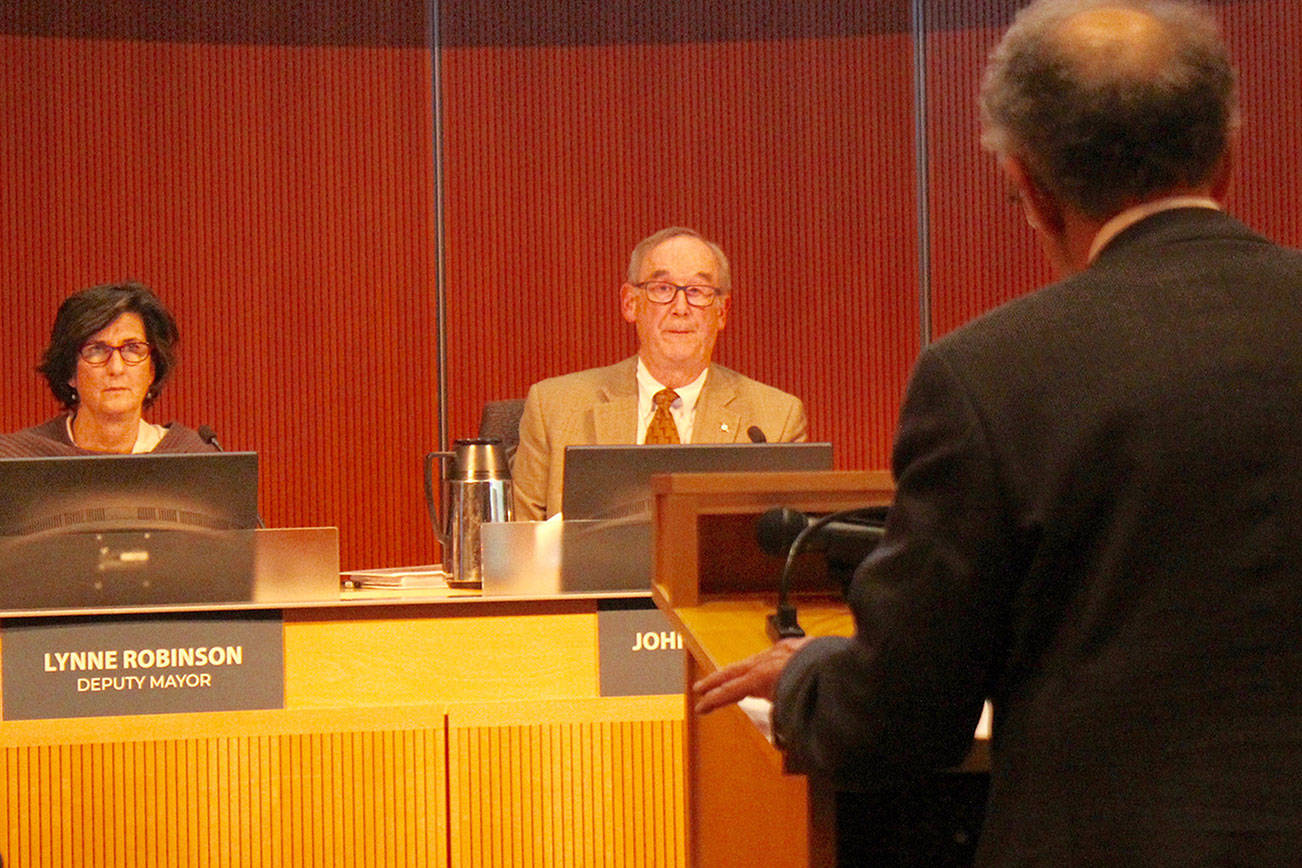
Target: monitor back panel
{"x": 614, "y": 481}
{"x": 137, "y": 530}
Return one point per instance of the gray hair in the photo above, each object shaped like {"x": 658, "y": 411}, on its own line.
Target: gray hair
{"x": 655, "y": 239}
{"x": 1121, "y": 122}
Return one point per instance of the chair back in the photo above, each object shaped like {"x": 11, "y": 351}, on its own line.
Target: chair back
{"x": 500, "y": 420}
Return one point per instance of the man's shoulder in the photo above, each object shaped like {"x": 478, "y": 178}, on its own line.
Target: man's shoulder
{"x": 726, "y": 378}
{"x": 1162, "y": 253}
{"x": 588, "y": 379}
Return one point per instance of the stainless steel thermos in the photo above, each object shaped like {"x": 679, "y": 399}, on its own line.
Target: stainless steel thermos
{"x": 476, "y": 489}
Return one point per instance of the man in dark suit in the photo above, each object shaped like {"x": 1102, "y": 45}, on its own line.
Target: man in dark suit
{"x": 1098, "y": 516}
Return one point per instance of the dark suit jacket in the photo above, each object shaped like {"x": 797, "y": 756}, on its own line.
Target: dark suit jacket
{"x": 1097, "y": 525}
{"x": 599, "y": 405}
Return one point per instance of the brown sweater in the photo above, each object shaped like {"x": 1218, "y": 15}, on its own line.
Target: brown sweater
{"x": 50, "y": 439}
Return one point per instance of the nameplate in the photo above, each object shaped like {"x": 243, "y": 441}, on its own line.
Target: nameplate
{"x": 146, "y": 664}
{"x": 640, "y": 652}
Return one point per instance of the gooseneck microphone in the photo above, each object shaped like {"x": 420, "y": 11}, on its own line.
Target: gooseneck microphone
{"x": 209, "y": 436}
{"x": 846, "y": 537}
{"x": 756, "y": 435}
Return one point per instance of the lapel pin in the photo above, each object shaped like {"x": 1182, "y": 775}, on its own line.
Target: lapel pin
{"x": 723, "y": 426}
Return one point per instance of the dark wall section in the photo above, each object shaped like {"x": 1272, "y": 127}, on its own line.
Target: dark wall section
{"x": 223, "y": 22}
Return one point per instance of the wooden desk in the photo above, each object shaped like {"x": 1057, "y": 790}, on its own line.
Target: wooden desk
{"x": 444, "y": 730}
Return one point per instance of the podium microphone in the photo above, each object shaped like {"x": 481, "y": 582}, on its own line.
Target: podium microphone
{"x": 756, "y": 435}
{"x": 209, "y": 436}
{"x": 847, "y": 536}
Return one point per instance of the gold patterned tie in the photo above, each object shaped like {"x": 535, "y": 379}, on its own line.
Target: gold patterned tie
{"x": 662, "y": 428}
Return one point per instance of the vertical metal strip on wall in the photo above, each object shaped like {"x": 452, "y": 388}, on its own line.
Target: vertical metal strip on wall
{"x": 922, "y": 167}
{"x": 440, "y": 272}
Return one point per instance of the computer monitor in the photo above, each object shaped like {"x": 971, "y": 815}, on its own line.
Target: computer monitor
{"x": 606, "y": 500}
{"x": 126, "y": 530}
{"x": 614, "y": 481}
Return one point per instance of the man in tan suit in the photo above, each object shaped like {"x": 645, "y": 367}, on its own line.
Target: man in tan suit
{"x": 677, "y": 295}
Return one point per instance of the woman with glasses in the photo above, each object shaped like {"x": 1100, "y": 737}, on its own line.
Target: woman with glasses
{"x": 111, "y": 350}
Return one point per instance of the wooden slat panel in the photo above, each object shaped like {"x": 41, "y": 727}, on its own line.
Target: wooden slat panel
{"x": 1265, "y": 37}
{"x": 303, "y": 799}
{"x": 564, "y": 790}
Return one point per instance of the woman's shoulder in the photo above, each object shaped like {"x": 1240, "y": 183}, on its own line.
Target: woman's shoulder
{"x": 182, "y": 438}
{"x": 50, "y": 438}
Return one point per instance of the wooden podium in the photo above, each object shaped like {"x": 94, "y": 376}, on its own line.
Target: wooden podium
{"x": 743, "y": 804}
{"x": 717, "y": 586}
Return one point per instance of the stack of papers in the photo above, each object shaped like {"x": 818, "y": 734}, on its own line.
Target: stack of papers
{"x": 429, "y": 576}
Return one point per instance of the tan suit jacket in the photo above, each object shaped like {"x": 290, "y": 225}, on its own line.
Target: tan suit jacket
{"x": 599, "y": 405}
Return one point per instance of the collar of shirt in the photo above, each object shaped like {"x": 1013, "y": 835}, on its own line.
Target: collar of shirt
{"x": 148, "y": 435}
{"x": 683, "y": 410}
{"x": 1131, "y": 216}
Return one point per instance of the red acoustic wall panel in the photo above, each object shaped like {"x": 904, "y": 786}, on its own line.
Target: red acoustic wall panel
{"x": 278, "y": 198}
{"x": 1265, "y": 38}
{"x": 270, "y": 170}
{"x": 982, "y": 251}
{"x": 795, "y": 154}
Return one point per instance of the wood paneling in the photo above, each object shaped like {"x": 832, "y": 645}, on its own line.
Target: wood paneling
{"x": 583, "y": 782}
{"x": 1265, "y": 38}
{"x": 483, "y": 653}
{"x": 309, "y": 798}
{"x": 270, "y": 172}
{"x": 982, "y": 252}
{"x": 550, "y": 791}
{"x": 418, "y": 753}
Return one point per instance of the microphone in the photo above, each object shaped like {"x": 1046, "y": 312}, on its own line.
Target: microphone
{"x": 756, "y": 435}
{"x": 846, "y": 537}
{"x": 209, "y": 436}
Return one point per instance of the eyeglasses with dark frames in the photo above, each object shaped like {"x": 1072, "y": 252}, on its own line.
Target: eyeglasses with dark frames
{"x": 664, "y": 292}
{"x": 98, "y": 353}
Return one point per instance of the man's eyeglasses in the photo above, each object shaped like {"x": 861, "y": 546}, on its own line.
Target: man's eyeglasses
{"x": 663, "y": 292}
{"x": 132, "y": 352}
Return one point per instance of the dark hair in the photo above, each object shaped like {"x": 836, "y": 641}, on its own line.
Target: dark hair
{"x": 85, "y": 312}
{"x": 1109, "y": 125}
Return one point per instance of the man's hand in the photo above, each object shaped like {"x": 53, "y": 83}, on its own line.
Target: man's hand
{"x": 754, "y": 676}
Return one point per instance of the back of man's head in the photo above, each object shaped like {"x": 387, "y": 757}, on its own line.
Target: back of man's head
{"x": 1107, "y": 103}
